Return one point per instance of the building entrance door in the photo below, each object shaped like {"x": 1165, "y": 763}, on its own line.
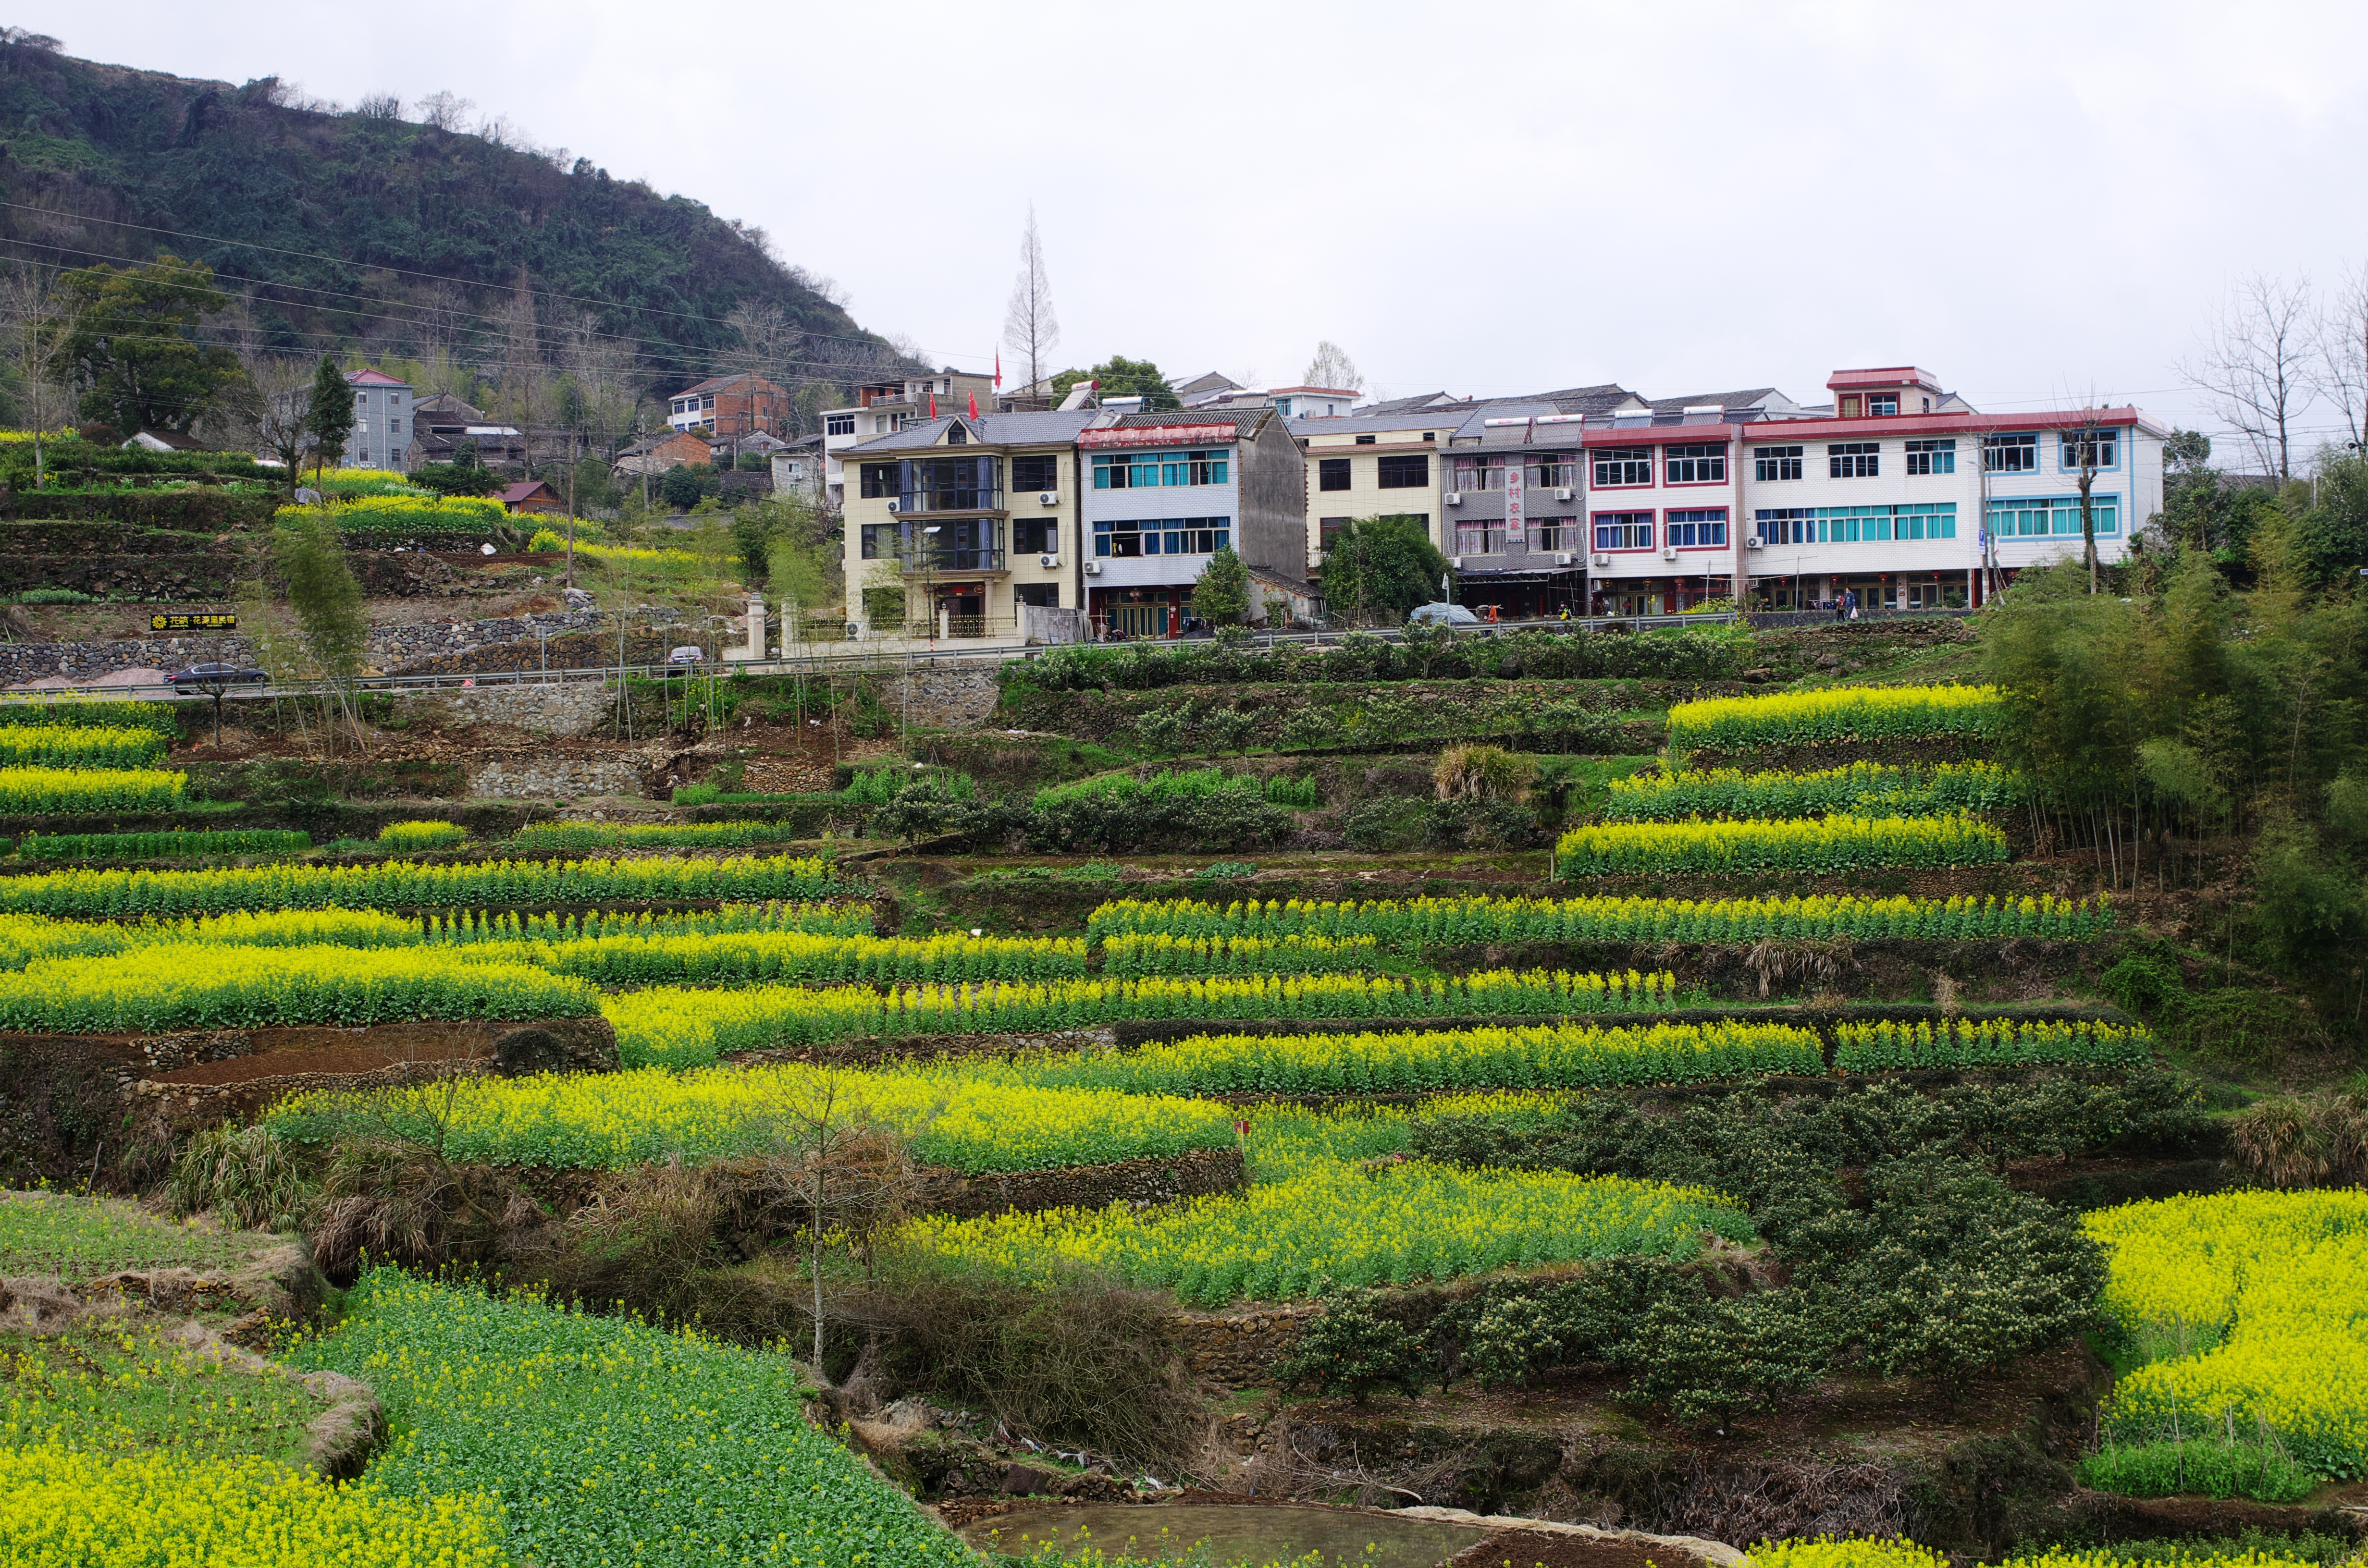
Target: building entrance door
{"x": 1139, "y": 619}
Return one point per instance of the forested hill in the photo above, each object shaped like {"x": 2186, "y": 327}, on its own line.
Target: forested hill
{"x": 354, "y": 205}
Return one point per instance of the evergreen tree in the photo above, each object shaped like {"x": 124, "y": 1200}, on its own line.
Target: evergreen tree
{"x": 329, "y": 419}
{"x": 1221, "y": 596}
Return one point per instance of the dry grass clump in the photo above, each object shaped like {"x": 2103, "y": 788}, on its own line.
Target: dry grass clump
{"x": 2305, "y": 1140}
{"x": 1482, "y": 773}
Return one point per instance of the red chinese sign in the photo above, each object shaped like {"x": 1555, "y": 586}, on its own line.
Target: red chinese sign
{"x": 1156, "y": 435}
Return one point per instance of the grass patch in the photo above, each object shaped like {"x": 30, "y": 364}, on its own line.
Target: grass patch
{"x": 122, "y": 1390}
{"x": 79, "y": 1238}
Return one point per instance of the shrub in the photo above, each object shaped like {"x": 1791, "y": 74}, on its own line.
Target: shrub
{"x": 1353, "y": 1348}
{"x": 440, "y": 522}
{"x": 423, "y": 836}
{"x": 159, "y": 846}
{"x": 1482, "y": 773}
{"x": 1826, "y": 845}
{"x": 1992, "y": 1042}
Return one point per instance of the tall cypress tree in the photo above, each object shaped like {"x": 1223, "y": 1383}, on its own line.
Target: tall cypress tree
{"x": 329, "y": 420}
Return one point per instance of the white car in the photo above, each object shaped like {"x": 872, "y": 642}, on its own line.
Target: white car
{"x": 686, "y": 656}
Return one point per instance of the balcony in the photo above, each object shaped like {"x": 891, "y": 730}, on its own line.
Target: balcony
{"x": 953, "y": 498}
{"x": 957, "y": 558}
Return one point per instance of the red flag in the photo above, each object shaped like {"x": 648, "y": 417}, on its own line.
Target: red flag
{"x": 933, "y": 405}
{"x": 998, "y": 367}
{"x": 974, "y": 406}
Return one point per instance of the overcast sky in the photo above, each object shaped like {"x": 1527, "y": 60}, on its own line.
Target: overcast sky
{"x": 2038, "y": 202}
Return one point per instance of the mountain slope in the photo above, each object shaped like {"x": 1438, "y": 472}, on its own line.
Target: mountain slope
{"x": 353, "y": 206}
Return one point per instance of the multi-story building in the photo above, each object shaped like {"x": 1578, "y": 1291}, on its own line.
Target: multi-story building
{"x": 1511, "y": 498}
{"x": 1360, "y": 465}
{"x": 1900, "y": 494}
{"x": 885, "y": 407}
{"x": 953, "y": 523}
{"x": 1161, "y": 493}
{"x": 724, "y": 408}
{"x": 381, "y": 432}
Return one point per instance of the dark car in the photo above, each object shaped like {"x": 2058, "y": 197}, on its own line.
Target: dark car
{"x": 203, "y": 676}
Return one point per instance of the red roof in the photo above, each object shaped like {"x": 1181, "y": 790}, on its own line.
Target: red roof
{"x": 372, "y": 379}
{"x": 511, "y": 495}
{"x": 1882, "y": 376}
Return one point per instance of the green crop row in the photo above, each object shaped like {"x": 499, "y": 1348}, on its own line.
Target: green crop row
{"x": 651, "y": 834}
{"x": 1467, "y": 921}
{"x": 1821, "y": 844}
{"x": 61, "y": 745}
{"x": 407, "y": 885}
{"x": 1863, "y": 789}
{"x": 1129, "y": 955}
{"x": 741, "y": 958}
{"x": 26, "y": 791}
{"x": 1545, "y": 1056}
{"x": 1837, "y": 713}
{"x": 685, "y": 1027}
{"x": 159, "y": 846}
{"x": 1988, "y": 1042}
{"x": 92, "y": 713}
{"x": 1200, "y": 782}
{"x": 152, "y": 989}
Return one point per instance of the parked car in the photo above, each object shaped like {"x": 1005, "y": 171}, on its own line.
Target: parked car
{"x": 685, "y": 655}
{"x": 1441, "y": 615}
{"x": 202, "y": 675}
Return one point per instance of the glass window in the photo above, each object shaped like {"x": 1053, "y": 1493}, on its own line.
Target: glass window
{"x": 1035, "y": 535}
{"x": 1882, "y": 403}
{"x": 1477, "y": 472}
{"x": 1623, "y": 531}
{"x": 1698, "y": 528}
{"x": 878, "y": 541}
{"x": 1485, "y": 537}
{"x": 2102, "y": 447}
{"x": 1405, "y": 471}
{"x": 1039, "y": 472}
{"x": 882, "y": 479}
{"x": 1326, "y": 528}
{"x": 1366, "y": 440}
{"x": 1145, "y": 470}
{"x": 1622, "y": 465}
{"x": 1554, "y": 471}
{"x": 1786, "y": 525}
{"x": 1045, "y": 595}
{"x": 1163, "y": 536}
{"x": 1332, "y": 473}
{"x": 1931, "y": 457}
{"x": 1770, "y": 463}
{"x": 1853, "y": 459}
{"x": 1701, "y": 463}
{"x": 2010, "y": 454}
{"x": 2040, "y": 514}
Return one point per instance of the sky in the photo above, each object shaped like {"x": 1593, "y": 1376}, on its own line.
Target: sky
{"x": 2043, "y": 204}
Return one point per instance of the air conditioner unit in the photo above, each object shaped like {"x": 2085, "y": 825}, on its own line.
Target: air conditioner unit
{"x": 1668, "y": 553}
{"x": 1455, "y": 498}
{"x": 1561, "y": 558}
{"x": 1603, "y": 560}
{"x": 1562, "y": 494}
{"x": 1048, "y": 561}
{"x": 1755, "y": 544}
{"x": 1093, "y": 568}
{"x": 893, "y": 505}
{"x": 1049, "y": 498}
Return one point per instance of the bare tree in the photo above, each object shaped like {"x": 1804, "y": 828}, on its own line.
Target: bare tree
{"x": 443, "y": 110}
{"x": 34, "y": 324}
{"x": 2087, "y": 442}
{"x": 2256, "y": 366}
{"x": 1333, "y": 368}
{"x": 272, "y": 411}
{"x": 1029, "y": 328}
{"x": 2341, "y": 375}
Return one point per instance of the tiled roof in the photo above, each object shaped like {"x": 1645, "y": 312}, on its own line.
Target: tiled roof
{"x": 1746, "y": 399}
{"x": 1245, "y": 421}
{"x": 367, "y": 378}
{"x": 1036, "y": 427}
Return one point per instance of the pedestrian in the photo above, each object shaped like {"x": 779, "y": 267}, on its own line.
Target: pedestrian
{"x": 1851, "y": 597}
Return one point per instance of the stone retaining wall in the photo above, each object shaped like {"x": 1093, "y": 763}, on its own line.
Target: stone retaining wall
{"x": 1160, "y": 1178}
{"x": 1238, "y": 1346}
{"x": 389, "y": 646}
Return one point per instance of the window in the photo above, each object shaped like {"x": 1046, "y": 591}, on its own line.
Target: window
{"x": 1043, "y": 595}
{"x": 1163, "y": 536}
{"x": 956, "y": 436}
{"x": 1931, "y": 457}
{"x": 1622, "y": 465}
{"x": 1484, "y": 538}
{"x": 1326, "y": 528}
{"x": 1703, "y": 527}
{"x": 1703, "y": 463}
{"x": 1037, "y": 473}
{"x": 1405, "y": 471}
{"x": 1145, "y": 470}
{"x": 1366, "y": 440}
{"x": 2041, "y": 514}
{"x": 1853, "y": 459}
{"x": 881, "y": 479}
{"x": 2010, "y": 454}
{"x": 1332, "y": 473}
{"x": 878, "y": 541}
{"x": 2103, "y": 448}
{"x": 1623, "y": 531}
{"x": 1880, "y": 404}
{"x": 838, "y": 424}
{"x": 955, "y": 484}
{"x": 1478, "y": 473}
{"x": 1554, "y": 471}
{"x": 1856, "y": 525}
{"x": 1036, "y": 536}
{"x": 1775, "y": 462}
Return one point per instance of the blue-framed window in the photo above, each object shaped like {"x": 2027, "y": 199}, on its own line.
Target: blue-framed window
{"x": 1855, "y": 525}
{"x": 1623, "y": 531}
{"x": 1163, "y": 536}
{"x": 1931, "y": 457}
{"x": 2105, "y": 446}
{"x": 1697, "y": 527}
{"x": 2034, "y": 517}
{"x": 1149, "y": 471}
